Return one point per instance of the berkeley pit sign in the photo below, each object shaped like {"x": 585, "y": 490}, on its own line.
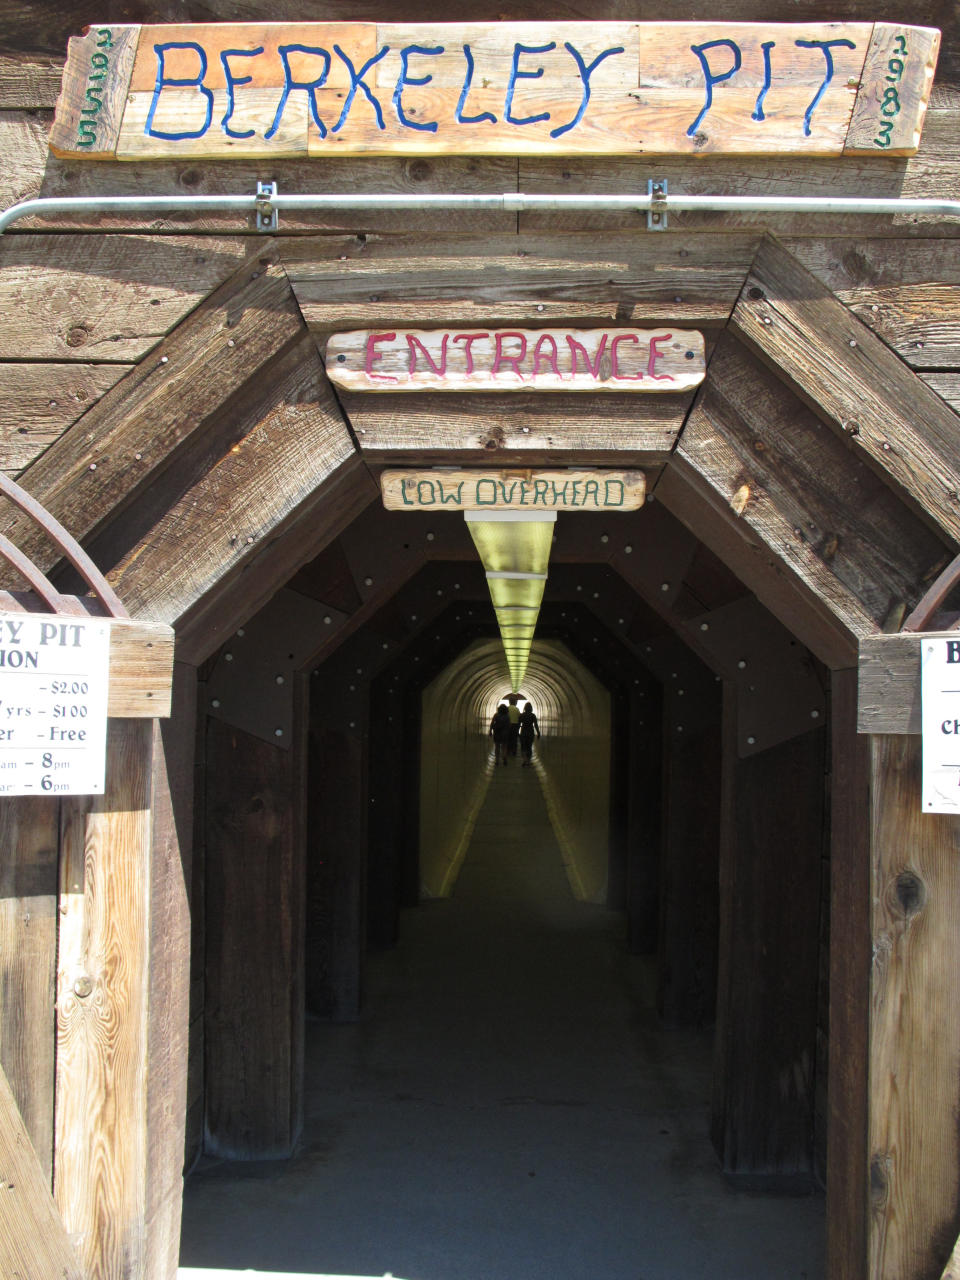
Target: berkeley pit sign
{"x": 507, "y": 88}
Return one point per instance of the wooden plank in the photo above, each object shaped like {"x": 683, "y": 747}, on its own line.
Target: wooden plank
{"x": 895, "y": 86}
{"x": 38, "y": 402}
{"x": 769, "y": 897}
{"x": 494, "y": 280}
{"x": 512, "y": 490}
{"x": 908, "y": 294}
{"x": 947, "y": 387}
{"x": 890, "y": 681}
{"x": 93, "y": 99}
{"x": 113, "y": 455}
{"x": 141, "y": 669}
{"x": 29, "y": 837}
{"x": 287, "y": 438}
{"x": 613, "y": 88}
{"x": 33, "y": 1241}
{"x": 914, "y": 1147}
{"x": 516, "y": 430}
{"x": 101, "y": 1161}
{"x": 853, "y": 382}
{"x": 28, "y": 83}
{"x": 848, "y": 1087}
{"x": 83, "y": 298}
{"x": 254, "y": 996}
{"x": 169, "y": 997}
{"x": 517, "y": 360}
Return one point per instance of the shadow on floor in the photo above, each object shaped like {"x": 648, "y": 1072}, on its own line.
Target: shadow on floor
{"x": 508, "y": 1108}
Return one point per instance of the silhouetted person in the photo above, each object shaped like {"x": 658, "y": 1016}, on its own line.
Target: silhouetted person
{"x": 500, "y": 732}
{"x": 528, "y": 726}
{"x": 513, "y": 711}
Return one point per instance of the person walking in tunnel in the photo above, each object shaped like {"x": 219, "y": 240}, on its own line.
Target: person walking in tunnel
{"x": 528, "y": 725}
{"x": 500, "y": 732}
{"x": 513, "y": 711}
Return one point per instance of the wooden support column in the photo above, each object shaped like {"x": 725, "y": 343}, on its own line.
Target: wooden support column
{"x": 850, "y": 955}
{"x": 103, "y": 1176}
{"x": 644, "y": 801}
{"x": 771, "y": 843}
{"x": 254, "y": 942}
{"x": 914, "y": 1062}
{"x": 689, "y": 878}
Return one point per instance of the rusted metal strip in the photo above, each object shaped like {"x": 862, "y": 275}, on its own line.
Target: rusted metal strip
{"x": 31, "y": 574}
{"x": 67, "y": 544}
{"x": 933, "y": 598}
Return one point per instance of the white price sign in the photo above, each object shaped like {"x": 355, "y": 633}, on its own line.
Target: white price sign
{"x": 54, "y": 678}
{"x": 940, "y": 695}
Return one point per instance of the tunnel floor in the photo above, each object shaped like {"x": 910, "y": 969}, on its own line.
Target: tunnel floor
{"x": 508, "y": 1108}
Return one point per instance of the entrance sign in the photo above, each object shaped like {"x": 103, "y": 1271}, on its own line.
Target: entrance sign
{"x": 506, "y": 88}
{"x": 649, "y": 360}
{"x": 521, "y": 491}
{"x": 940, "y": 693}
{"x": 54, "y": 677}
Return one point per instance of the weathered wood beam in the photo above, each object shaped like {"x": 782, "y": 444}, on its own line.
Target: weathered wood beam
{"x": 286, "y": 440}
{"x": 38, "y": 402}
{"x": 362, "y": 282}
{"x": 102, "y": 1167}
{"x": 853, "y": 382}
{"x": 914, "y": 1146}
{"x": 119, "y": 449}
{"x": 848, "y": 1078}
{"x": 908, "y": 293}
{"x": 254, "y": 1009}
{"x": 33, "y": 1240}
{"x": 29, "y": 837}
{"x": 809, "y": 529}
{"x": 889, "y": 682}
{"x": 103, "y": 298}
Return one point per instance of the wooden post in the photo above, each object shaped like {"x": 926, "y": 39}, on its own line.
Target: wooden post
{"x": 254, "y": 912}
{"x": 771, "y": 843}
{"x": 914, "y": 1145}
{"x": 847, "y": 1087}
{"x": 644, "y": 822}
{"x": 102, "y": 1164}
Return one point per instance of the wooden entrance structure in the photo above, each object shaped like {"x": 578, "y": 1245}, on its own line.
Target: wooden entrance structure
{"x": 164, "y": 394}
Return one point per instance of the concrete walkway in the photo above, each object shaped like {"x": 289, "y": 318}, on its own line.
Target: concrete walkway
{"x": 508, "y": 1109}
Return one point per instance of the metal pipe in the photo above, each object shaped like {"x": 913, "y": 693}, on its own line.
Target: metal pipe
{"x": 508, "y": 202}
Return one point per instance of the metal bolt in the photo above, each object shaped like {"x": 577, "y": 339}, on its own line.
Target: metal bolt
{"x": 814, "y": 715}
{"x": 853, "y": 342}
{"x": 240, "y": 631}
{"x": 742, "y": 663}
{"x": 215, "y": 703}
{"x": 278, "y": 733}
{"x": 368, "y": 582}
{"x": 164, "y": 359}
{"x": 93, "y": 466}
{"x": 664, "y": 586}
{"x": 228, "y": 657}
{"x": 279, "y": 679}
{"x": 628, "y": 549}
{"x": 751, "y": 741}
{"x": 704, "y": 626}
{"x": 327, "y": 619}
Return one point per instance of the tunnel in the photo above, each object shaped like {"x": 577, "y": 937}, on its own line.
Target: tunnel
{"x": 373, "y": 891}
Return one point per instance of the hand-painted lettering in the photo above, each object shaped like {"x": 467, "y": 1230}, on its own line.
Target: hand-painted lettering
{"x": 404, "y": 79}
{"x": 578, "y": 348}
{"x": 611, "y": 487}
{"x": 825, "y": 46}
{"x": 550, "y": 359}
{"x": 614, "y": 367}
{"x": 468, "y": 339}
{"x": 414, "y": 343}
{"x": 501, "y": 358}
{"x": 487, "y": 502}
{"x": 711, "y": 78}
{"x": 585, "y": 74}
{"x": 309, "y": 87}
{"x": 767, "y": 80}
{"x": 357, "y": 82}
{"x": 654, "y": 355}
{"x": 484, "y": 116}
{"x": 372, "y": 355}
{"x": 190, "y": 82}
{"x": 232, "y": 81}
{"x": 516, "y": 74}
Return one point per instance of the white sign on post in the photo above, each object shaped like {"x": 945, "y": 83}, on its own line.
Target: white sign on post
{"x": 54, "y": 679}
{"x": 940, "y": 696}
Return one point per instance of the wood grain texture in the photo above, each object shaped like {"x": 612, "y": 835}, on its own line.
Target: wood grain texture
{"x": 498, "y": 360}
{"x": 104, "y": 298}
{"x": 33, "y": 1241}
{"x": 288, "y": 437}
{"x": 853, "y": 382}
{"x": 101, "y": 1165}
{"x": 890, "y": 682}
{"x": 38, "y": 402}
{"x": 170, "y": 960}
{"x": 907, "y": 293}
{"x": 128, "y": 438}
{"x": 482, "y": 281}
{"x": 848, "y": 1087}
{"x": 29, "y": 838}
{"x": 28, "y": 83}
{"x": 141, "y": 670}
{"x": 914, "y": 1148}
{"x": 93, "y": 99}
{"x": 895, "y": 86}
{"x": 254, "y": 971}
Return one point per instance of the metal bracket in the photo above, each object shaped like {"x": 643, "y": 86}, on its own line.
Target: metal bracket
{"x": 657, "y": 213}
{"x": 268, "y": 219}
